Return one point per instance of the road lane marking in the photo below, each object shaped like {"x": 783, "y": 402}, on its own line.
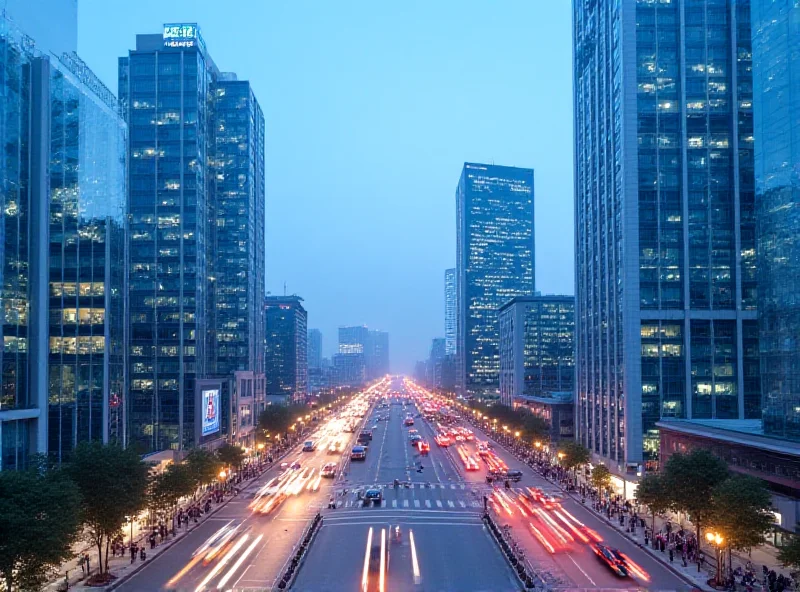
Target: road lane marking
{"x": 438, "y": 503}
{"x": 583, "y": 572}
{"x": 427, "y": 503}
{"x": 452, "y": 486}
{"x": 394, "y": 503}
{"x": 463, "y": 504}
{"x": 383, "y": 503}
{"x": 463, "y": 486}
{"x": 416, "y": 503}
{"x": 405, "y": 503}
{"x": 451, "y": 504}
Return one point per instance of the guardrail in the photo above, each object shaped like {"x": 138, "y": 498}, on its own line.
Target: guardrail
{"x": 519, "y": 564}
{"x": 292, "y": 566}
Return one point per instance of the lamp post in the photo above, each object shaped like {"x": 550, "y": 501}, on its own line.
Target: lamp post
{"x": 715, "y": 540}
{"x": 130, "y": 519}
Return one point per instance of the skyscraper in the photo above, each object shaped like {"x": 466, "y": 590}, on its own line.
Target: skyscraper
{"x": 377, "y": 354}
{"x": 286, "y": 359}
{"x": 62, "y": 186}
{"x": 353, "y": 340}
{"x": 314, "y": 349}
{"x": 537, "y": 347}
{"x": 450, "y": 325}
{"x": 237, "y": 258}
{"x": 196, "y": 183}
{"x": 664, "y": 215}
{"x": 776, "y": 95}
{"x": 436, "y": 362}
{"x": 495, "y": 262}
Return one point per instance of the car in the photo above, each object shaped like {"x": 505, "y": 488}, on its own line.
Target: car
{"x": 414, "y": 439}
{"x": 612, "y": 558}
{"x": 513, "y": 475}
{"x": 358, "y": 453}
{"x": 334, "y": 447}
{"x": 295, "y": 465}
{"x": 328, "y": 470}
{"x": 373, "y": 495}
{"x": 309, "y": 446}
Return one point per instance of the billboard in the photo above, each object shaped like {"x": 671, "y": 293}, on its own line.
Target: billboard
{"x": 210, "y": 410}
{"x": 182, "y": 35}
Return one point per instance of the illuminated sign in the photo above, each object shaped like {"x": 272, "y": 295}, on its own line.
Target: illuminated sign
{"x": 181, "y": 35}
{"x": 210, "y": 411}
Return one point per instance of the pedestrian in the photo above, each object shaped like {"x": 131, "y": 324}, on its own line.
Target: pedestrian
{"x": 82, "y": 564}
{"x": 142, "y": 555}
{"x": 133, "y": 552}
{"x": 86, "y": 559}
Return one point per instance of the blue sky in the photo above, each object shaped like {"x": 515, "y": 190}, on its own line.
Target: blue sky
{"x": 371, "y": 109}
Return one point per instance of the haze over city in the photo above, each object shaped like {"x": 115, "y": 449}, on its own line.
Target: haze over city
{"x": 371, "y": 111}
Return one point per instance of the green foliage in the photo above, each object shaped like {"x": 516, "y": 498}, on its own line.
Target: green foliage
{"x": 575, "y": 454}
{"x": 531, "y": 426}
{"x": 789, "y": 553}
{"x": 113, "y": 484}
{"x": 166, "y": 489}
{"x": 601, "y": 477}
{"x": 38, "y": 524}
{"x": 653, "y": 493}
{"x": 203, "y": 466}
{"x": 230, "y": 455}
{"x": 741, "y": 512}
{"x": 690, "y": 480}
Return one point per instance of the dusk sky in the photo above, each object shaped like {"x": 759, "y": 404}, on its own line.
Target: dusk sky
{"x": 371, "y": 110}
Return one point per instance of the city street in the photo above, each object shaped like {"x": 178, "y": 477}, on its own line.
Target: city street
{"x": 434, "y": 506}
{"x": 255, "y": 532}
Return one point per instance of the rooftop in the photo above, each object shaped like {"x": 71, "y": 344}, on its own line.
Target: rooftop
{"x": 747, "y": 432}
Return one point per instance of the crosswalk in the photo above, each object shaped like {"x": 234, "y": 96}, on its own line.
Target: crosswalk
{"x": 396, "y": 504}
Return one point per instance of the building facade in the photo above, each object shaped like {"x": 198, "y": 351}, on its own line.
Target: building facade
{"x": 495, "y": 262}
{"x": 664, "y": 216}
{"x": 537, "y": 343}
{"x": 450, "y": 325}
{"x": 62, "y": 186}
{"x": 314, "y": 349}
{"x": 286, "y": 358}
{"x": 436, "y": 360}
{"x": 349, "y": 369}
{"x": 353, "y": 340}
{"x": 776, "y": 100}
{"x": 377, "y": 354}
{"x": 237, "y": 258}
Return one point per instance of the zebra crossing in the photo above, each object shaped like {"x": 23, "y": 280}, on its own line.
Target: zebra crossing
{"x": 434, "y": 501}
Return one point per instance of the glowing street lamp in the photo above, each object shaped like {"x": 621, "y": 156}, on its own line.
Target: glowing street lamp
{"x": 716, "y": 539}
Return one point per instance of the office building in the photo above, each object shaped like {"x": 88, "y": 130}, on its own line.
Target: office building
{"x": 286, "y": 358}
{"x": 62, "y": 180}
{"x": 196, "y": 186}
{"x": 664, "y": 215}
{"x": 450, "y": 327}
{"x": 353, "y": 340}
{"x": 377, "y": 354}
{"x": 435, "y": 365}
{"x": 349, "y": 369}
{"x": 237, "y": 258}
{"x": 537, "y": 342}
{"x": 314, "y": 349}
{"x": 776, "y": 100}
{"x": 495, "y": 262}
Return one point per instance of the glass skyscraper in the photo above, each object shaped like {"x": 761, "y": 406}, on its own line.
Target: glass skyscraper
{"x": 62, "y": 290}
{"x": 314, "y": 349}
{"x": 450, "y": 327}
{"x": 776, "y": 99}
{"x": 665, "y": 223}
{"x": 286, "y": 360}
{"x": 196, "y": 185}
{"x": 495, "y": 262}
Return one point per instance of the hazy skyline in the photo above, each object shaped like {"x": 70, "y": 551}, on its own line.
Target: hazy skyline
{"x": 371, "y": 112}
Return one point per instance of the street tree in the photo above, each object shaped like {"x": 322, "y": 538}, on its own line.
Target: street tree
{"x": 275, "y": 419}
{"x": 652, "y": 492}
{"x": 690, "y": 480}
{"x": 113, "y": 485}
{"x": 167, "y": 488}
{"x": 575, "y": 454}
{"x": 741, "y": 512}
{"x": 789, "y": 553}
{"x": 534, "y": 427}
{"x": 39, "y": 523}
{"x": 601, "y": 478}
{"x": 231, "y": 456}
{"x": 203, "y": 465}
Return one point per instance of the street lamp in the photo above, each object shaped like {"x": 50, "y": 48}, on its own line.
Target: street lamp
{"x": 715, "y": 539}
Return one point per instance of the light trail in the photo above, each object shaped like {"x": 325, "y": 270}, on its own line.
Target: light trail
{"x": 365, "y": 572}
{"x": 560, "y": 533}
{"x": 571, "y": 526}
{"x": 382, "y": 578}
{"x": 238, "y": 563}
{"x": 634, "y": 567}
{"x": 414, "y": 562}
{"x": 218, "y": 567}
{"x": 541, "y": 538}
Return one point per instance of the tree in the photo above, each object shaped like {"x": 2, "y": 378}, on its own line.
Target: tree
{"x": 690, "y": 479}
{"x": 534, "y": 427}
{"x": 741, "y": 512}
{"x": 274, "y": 419}
{"x": 203, "y": 466}
{"x": 38, "y": 524}
{"x": 113, "y": 484}
{"x": 167, "y": 488}
{"x": 230, "y": 455}
{"x": 788, "y": 554}
{"x": 601, "y": 478}
{"x": 575, "y": 454}
{"x": 652, "y": 492}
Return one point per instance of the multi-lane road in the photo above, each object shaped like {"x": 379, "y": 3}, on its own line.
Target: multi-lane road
{"x": 425, "y": 532}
